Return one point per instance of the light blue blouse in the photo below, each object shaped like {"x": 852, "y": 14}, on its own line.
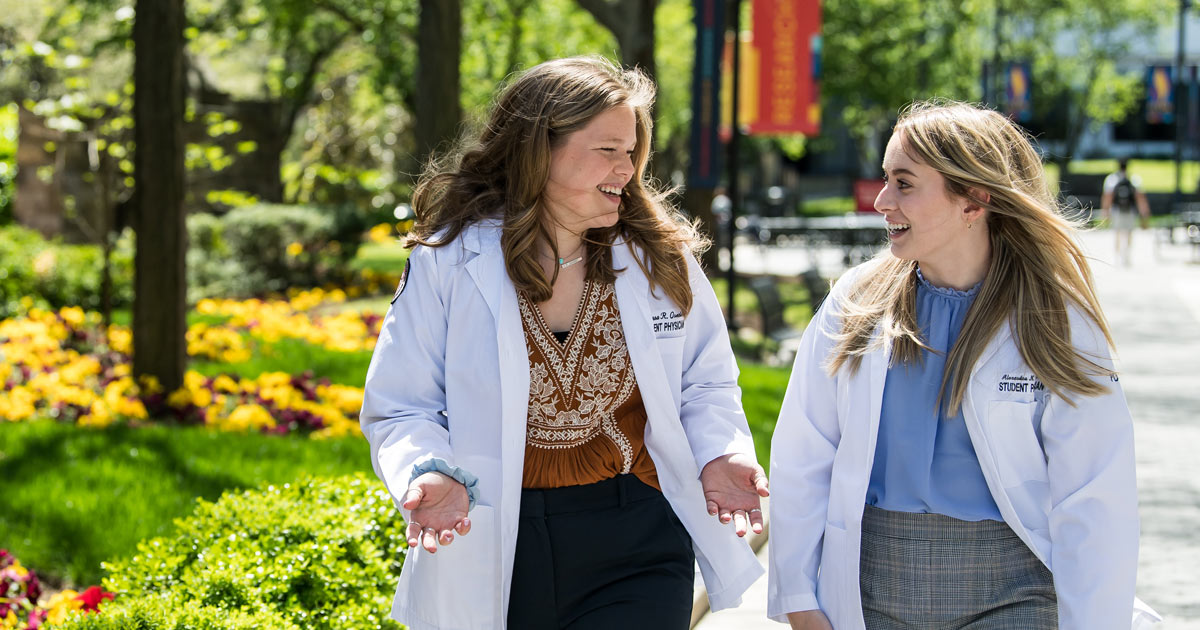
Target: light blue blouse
{"x": 924, "y": 461}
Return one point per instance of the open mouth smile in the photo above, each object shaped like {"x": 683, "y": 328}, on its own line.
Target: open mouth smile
{"x": 613, "y": 193}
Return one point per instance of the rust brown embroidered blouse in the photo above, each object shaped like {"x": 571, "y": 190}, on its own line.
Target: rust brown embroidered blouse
{"x": 586, "y": 418}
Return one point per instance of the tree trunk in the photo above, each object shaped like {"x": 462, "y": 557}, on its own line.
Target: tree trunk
{"x": 697, "y": 203}
{"x": 439, "y": 48}
{"x": 160, "y": 285}
{"x": 632, "y": 24}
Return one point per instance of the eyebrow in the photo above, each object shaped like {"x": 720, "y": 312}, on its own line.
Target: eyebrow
{"x": 901, "y": 171}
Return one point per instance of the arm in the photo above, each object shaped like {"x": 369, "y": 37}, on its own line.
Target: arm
{"x": 710, "y": 406}
{"x": 1143, "y": 204}
{"x": 1093, "y": 494}
{"x": 802, "y": 452}
{"x": 809, "y": 620}
{"x": 403, "y": 408}
{"x": 711, "y": 413}
{"x": 1106, "y": 204}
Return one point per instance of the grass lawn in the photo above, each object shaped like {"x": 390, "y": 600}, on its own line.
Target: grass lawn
{"x": 294, "y": 356}
{"x": 74, "y": 497}
{"x": 1157, "y": 175}
{"x": 381, "y": 257}
{"x": 762, "y": 394}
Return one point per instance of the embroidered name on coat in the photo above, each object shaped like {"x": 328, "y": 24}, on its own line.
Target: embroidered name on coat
{"x": 667, "y": 323}
{"x": 1019, "y": 384}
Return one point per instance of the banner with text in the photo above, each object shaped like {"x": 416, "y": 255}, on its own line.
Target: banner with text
{"x": 785, "y": 68}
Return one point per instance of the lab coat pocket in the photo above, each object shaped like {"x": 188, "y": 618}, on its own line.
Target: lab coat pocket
{"x": 837, "y": 580}
{"x": 459, "y": 586}
{"x": 1014, "y": 442}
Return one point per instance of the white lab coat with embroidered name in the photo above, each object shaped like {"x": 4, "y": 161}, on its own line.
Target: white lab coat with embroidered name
{"x": 450, "y": 379}
{"x": 1065, "y": 485}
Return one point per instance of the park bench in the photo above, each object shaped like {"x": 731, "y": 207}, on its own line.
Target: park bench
{"x": 771, "y": 307}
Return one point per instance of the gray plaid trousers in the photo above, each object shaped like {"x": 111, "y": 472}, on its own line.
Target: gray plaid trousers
{"x": 935, "y": 572}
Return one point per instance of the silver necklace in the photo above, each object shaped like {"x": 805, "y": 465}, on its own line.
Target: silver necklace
{"x": 564, "y": 263}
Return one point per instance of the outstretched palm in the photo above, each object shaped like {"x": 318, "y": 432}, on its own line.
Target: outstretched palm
{"x": 732, "y": 486}
{"x": 439, "y": 508}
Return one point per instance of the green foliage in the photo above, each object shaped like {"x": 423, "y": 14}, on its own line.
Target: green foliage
{"x": 173, "y": 612}
{"x": 8, "y": 160}
{"x": 261, "y": 249}
{"x": 74, "y": 497}
{"x": 318, "y": 553}
{"x": 55, "y": 275}
{"x": 1087, "y": 87}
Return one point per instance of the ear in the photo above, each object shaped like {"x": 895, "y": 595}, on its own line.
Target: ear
{"x": 976, "y": 198}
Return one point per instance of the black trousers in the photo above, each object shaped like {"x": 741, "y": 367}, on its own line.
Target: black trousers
{"x": 605, "y": 555}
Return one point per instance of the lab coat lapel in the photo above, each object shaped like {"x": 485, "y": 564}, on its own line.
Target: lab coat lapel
{"x": 491, "y": 279}
{"x": 633, "y": 299}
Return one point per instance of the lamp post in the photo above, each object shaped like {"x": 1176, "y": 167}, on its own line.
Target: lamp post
{"x": 732, "y": 154}
{"x": 1179, "y": 83}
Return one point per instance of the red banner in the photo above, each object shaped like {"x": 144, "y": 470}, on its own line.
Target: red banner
{"x": 786, "y": 66}
{"x": 865, "y": 192}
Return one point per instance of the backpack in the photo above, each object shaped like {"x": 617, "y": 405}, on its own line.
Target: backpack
{"x": 1123, "y": 194}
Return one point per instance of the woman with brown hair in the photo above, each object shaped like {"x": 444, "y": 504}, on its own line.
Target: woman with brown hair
{"x": 556, "y": 363}
{"x": 954, "y": 449}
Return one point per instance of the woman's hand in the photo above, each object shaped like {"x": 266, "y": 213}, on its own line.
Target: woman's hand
{"x": 809, "y": 620}
{"x": 732, "y": 485}
{"x": 439, "y": 508}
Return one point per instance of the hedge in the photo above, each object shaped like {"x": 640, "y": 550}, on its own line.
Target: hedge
{"x": 320, "y": 553}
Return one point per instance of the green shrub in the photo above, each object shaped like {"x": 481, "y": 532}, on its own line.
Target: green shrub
{"x": 261, "y": 249}
{"x": 175, "y": 613}
{"x": 320, "y": 553}
{"x": 8, "y": 160}
{"x": 56, "y": 275}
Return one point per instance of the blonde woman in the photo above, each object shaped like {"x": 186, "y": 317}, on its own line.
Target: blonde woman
{"x": 954, "y": 449}
{"x": 553, "y": 390}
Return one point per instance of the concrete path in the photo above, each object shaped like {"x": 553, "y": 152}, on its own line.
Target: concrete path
{"x": 1153, "y": 307}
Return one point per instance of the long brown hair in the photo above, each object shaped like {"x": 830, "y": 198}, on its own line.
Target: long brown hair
{"x": 502, "y": 174}
{"x": 1035, "y": 273}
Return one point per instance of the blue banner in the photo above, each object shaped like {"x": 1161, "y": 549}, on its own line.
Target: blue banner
{"x": 704, "y": 167}
{"x": 1018, "y": 91}
{"x": 1160, "y": 95}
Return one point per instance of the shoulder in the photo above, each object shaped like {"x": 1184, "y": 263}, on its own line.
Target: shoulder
{"x": 845, "y": 284}
{"x": 1087, "y": 337}
{"x": 1110, "y": 181}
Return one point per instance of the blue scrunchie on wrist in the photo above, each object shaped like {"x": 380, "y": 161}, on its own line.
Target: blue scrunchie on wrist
{"x": 437, "y": 464}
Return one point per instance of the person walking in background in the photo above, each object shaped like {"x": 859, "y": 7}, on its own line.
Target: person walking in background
{"x": 553, "y": 390}
{"x": 1124, "y": 205}
{"x": 954, "y": 449}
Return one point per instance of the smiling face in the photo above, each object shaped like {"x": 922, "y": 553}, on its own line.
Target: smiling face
{"x": 925, "y": 222}
{"x": 589, "y": 170}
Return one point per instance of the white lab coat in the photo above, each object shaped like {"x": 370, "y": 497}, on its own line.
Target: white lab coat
{"x": 1065, "y": 484}
{"x": 450, "y": 379}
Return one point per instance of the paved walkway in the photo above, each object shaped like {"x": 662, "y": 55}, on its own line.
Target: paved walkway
{"x": 1153, "y": 307}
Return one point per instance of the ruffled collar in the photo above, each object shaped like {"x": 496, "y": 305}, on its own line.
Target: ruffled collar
{"x": 946, "y": 291}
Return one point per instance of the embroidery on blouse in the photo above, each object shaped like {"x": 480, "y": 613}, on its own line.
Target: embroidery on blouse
{"x": 573, "y": 397}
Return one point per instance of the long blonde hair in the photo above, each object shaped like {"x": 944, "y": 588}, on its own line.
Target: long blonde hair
{"x": 1036, "y": 271}
{"x": 502, "y": 174}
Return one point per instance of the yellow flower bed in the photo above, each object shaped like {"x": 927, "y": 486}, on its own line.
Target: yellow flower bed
{"x": 60, "y": 365}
